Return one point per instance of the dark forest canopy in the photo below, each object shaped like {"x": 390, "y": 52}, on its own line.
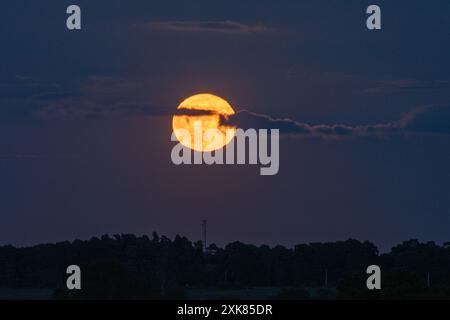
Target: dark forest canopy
{"x": 128, "y": 266}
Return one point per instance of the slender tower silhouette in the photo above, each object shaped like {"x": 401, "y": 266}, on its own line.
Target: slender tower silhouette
{"x": 204, "y": 235}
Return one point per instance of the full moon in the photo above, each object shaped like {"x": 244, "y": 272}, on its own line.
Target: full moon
{"x": 213, "y": 107}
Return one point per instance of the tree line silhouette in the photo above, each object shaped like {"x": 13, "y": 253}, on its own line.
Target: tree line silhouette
{"x": 131, "y": 267}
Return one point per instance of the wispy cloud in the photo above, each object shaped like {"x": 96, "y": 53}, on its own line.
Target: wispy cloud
{"x": 99, "y": 96}
{"x": 430, "y": 119}
{"x": 224, "y": 27}
{"x": 434, "y": 119}
{"x": 399, "y": 85}
{"x": 94, "y": 97}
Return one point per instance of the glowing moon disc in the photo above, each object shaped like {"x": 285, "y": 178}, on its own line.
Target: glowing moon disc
{"x": 206, "y": 109}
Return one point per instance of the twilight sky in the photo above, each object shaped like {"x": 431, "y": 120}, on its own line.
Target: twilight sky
{"x": 85, "y": 120}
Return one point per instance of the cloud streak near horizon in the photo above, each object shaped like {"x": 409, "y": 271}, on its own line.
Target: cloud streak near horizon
{"x": 103, "y": 97}
{"x": 433, "y": 119}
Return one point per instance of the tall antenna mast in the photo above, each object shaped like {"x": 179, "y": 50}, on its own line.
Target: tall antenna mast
{"x": 204, "y": 234}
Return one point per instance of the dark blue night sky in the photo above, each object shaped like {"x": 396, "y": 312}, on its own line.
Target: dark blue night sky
{"x": 85, "y": 119}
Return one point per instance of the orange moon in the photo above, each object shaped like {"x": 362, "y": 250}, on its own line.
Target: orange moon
{"x": 214, "y": 107}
